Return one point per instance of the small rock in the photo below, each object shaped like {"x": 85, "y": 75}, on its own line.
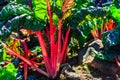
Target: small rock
{"x": 68, "y": 73}
{"x": 85, "y": 55}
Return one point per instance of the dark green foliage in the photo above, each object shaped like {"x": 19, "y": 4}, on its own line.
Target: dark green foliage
{"x": 79, "y": 15}
{"x": 117, "y": 3}
{"x": 4, "y": 2}
{"x": 106, "y": 55}
{"x": 10, "y": 25}
{"x": 111, "y": 42}
{"x": 22, "y": 2}
{"x": 111, "y": 38}
{"x": 82, "y": 32}
{"x": 82, "y": 21}
{"x": 13, "y": 9}
{"x": 14, "y": 16}
{"x": 82, "y": 3}
{"x": 10, "y": 16}
{"x": 56, "y": 10}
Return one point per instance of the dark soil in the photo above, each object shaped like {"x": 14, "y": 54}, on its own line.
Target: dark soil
{"x": 80, "y": 72}
{"x": 92, "y": 73}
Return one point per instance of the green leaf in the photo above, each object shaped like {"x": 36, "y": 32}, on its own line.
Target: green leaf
{"x": 113, "y": 12}
{"x": 3, "y": 54}
{"x": 40, "y": 9}
{"x": 8, "y": 73}
{"x": 11, "y": 25}
{"x": 14, "y": 16}
{"x": 79, "y": 16}
{"x": 58, "y": 3}
{"x": 37, "y": 50}
{"x": 13, "y": 9}
{"x": 84, "y": 19}
{"x": 111, "y": 38}
{"x": 56, "y": 10}
{"x": 55, "y": 19}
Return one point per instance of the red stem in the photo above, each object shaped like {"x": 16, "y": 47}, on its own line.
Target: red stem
{"x": 29, "y": 3}
{"x": 64, "y": 52}
{"x": 26, "y": 56}
{"x": 117, "y": 62}
{"x": 53, "y": 47}
{"x": 47, "y": 32}
{"x": 65, "y": 55}
{"x": 24, "y": 59}
{"x": 59, "y": 45}
{"x": 60, "y": 39}
{"x": 44, "y": 52}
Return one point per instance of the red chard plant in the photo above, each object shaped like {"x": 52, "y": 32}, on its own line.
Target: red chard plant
{"x": 58, "y": 49}
{"x": 51, "y": 22}
{"x": 58, "y": 45}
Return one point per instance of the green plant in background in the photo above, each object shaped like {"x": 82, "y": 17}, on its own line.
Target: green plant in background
{"x": 111, "y": 38}
{"x": 114, "y": 11}
{"x": 81, "y": 22}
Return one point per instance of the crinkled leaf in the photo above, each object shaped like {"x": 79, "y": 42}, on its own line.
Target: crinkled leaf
{"x": 58, "y": 5}
{"x": 11, "y": 24}
{"x": 23, "y": 20}
{"x": 79, "y": 15}
{"x": 84, "y": 20}
{"x": 13, "y": 9}
{"x": 40, "y": 8}
{"x": 111, "y": 42}
{"x": 13, "y": 16}
{"x": 69, "y": 5}
{"x": 111, "y": 38}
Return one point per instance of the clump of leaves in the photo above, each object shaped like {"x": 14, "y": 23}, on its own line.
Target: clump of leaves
{"x": 8, "y": 72}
